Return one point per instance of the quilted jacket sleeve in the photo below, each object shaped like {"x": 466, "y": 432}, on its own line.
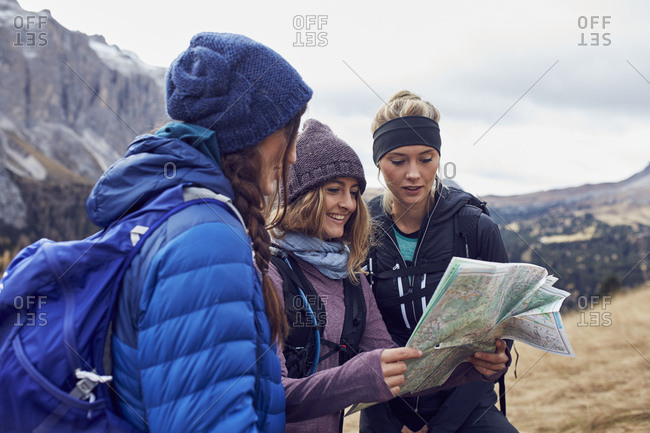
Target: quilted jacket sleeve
{"x": 198, "y": 333}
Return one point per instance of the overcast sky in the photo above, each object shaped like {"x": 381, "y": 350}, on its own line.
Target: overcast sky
{"x": 534, "y": 95}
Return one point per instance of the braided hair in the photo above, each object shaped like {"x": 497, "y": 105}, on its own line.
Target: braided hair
{"x": 243, "y": 169}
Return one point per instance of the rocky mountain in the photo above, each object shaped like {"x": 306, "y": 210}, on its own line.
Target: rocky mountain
{"x": 69, "y": 106}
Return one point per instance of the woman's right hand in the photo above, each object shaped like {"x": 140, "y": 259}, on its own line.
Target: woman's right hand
{"x": 393, "y": 367}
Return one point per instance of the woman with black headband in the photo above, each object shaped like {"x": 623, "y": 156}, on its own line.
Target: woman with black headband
{"x": 418, "y": 220}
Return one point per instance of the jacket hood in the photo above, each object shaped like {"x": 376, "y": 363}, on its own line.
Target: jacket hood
{"x": 449, "y": 201}
{"x": 152, "y": 164}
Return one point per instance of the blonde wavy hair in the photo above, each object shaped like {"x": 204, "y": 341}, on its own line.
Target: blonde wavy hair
{"x": 307, "y": 216}
{"x": 401, "y": 104}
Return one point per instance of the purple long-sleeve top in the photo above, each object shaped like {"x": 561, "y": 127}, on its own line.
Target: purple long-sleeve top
{"x": 316, "y": 403}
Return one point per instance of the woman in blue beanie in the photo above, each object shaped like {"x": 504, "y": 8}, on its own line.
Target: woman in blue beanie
{"x": 338, "y": 351}
{"x": 197, "y": 316}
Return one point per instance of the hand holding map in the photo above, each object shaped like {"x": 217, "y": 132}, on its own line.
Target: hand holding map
{"x": 490, "y": 363}
{"x": 476, "y": 303}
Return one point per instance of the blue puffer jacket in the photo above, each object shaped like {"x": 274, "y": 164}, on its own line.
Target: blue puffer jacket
{"x": 191, "y": 341}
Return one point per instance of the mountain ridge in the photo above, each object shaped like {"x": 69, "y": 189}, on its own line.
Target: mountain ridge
{"x": 631, "y": 186}
{"x": 69, "y": 106}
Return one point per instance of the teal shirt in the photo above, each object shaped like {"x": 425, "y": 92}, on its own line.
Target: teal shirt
{"x": 406, "y": 243}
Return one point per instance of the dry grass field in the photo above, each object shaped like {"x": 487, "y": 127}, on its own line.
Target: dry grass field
{"x": 606, "y": 388}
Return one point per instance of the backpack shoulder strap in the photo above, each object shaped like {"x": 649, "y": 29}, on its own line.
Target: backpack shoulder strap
{"x": 199, "y": 193}
{"x": 305, "y": 313}
{"x": 354, "y": 323}
{"x": 294, "y": 282}
{"x": 466, "y": 228}
{"x": 301, "y": 352}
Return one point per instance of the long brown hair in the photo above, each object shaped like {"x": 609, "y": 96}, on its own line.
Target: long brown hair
{"x": 243, "y": 169}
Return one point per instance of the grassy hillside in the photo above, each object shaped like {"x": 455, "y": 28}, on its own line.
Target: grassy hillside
{"x": 606, "y": 388}
{"x": 580, "y": 248}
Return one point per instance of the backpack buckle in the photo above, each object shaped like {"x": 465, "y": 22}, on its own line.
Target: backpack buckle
{"x": 85, "y": 386}
{"x": 87, "y": 382}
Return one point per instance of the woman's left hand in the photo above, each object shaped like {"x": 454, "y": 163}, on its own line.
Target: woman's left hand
{"x": 490, "y": 363}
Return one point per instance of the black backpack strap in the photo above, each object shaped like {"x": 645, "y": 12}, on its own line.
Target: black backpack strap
{"x": 354, "y": 324}
{"x": 305, "y": 313}
{"x": 466, "y": 230}
{"x": 502, "y": 394}
{"x": 300, "y": 347}
{"x": 293, "y": 279}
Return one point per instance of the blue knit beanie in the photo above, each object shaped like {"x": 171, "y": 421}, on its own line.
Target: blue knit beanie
{"x": 239, "y": 88}
{"x": 321, "y": 156}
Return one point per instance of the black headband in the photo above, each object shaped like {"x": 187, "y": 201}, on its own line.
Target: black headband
{"x": 405, "y": 131}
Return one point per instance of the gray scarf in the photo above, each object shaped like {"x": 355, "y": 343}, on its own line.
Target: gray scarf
{"x": 330, "y": 258}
